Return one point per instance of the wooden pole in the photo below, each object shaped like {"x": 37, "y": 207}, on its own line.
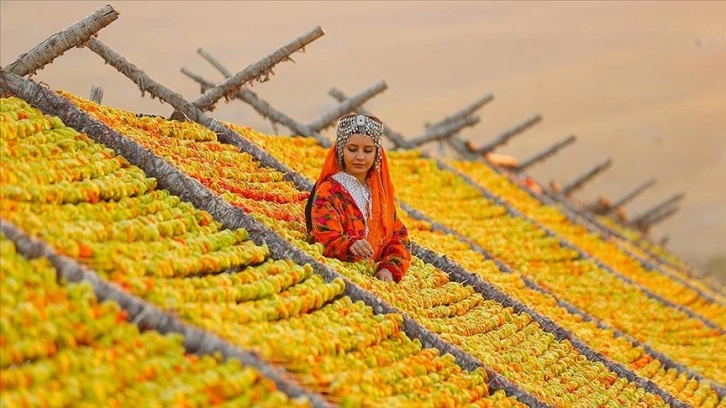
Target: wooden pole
{"x": 261, "y": 106}
{"x": 53, "y": 47}
{"x": 661, "y": 217}
{"x": 657, "y": 208}
{"x": 264, "y": 109}
{"x": 504, "y": 137}
{"x": 586, "y": 177}
{"x": 177, "y": 101}
{"x": 545, "y": 154}
{"x": 468, "y": 110}
{"x": 631, "y": 195}
{"x": 398, "y": 140}
{"x": 215, "y": 62}
{"x": 461, "y": 147}
{"x": 350, "y": 105}
{"x": 442, "y": 132}
{"x": 264, "y": 66}
{"x": 96, "y": 94}
{"x": 664, "y": 241}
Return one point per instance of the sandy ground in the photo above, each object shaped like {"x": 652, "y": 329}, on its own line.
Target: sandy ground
{"x": 642, "y": 82}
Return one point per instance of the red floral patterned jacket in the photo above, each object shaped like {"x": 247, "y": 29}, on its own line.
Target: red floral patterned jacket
{"x": 337, "y": 223}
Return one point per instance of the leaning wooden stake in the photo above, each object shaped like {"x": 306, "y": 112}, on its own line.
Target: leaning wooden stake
{"x": 462, "y": 148}
{"x": 215, "y": 63}
{"x": 657, "y": 218}
{"x": 262, "y": 67}
{"x": 264, "y": 108}
{"x": 398, "y": 140}
{"x": 347, "y": 106}
{"x": 466, "y": 111}
{"x": 585, "y": 177}
{"x": 73, "y": 36}
{"x": 441, "y": 132}
{"x": 96, "y": 94}
{"x": 631, "y": 195}
{"x": 177, "y": 101}
{"x": 507, "y": 135}
{"x": 545, "y": 154}
{"x": 657, "y": 208}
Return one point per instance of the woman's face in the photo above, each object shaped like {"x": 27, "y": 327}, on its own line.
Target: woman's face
{"x": 358, "y": 156}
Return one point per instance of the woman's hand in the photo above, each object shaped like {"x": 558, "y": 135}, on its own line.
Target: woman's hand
{"x": 362, "y": 248}
{"x": 384, "y": 275}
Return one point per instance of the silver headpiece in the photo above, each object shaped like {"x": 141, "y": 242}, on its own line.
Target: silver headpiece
{"x": 361, "y": 125}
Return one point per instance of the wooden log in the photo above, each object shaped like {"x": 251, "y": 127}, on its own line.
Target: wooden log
{"x": 508, "y": 134}
{"x": 585, "y": 177}
{"x": 660, "y": 217}
{"x": 664, "y": 241}
{"x": 468, "y": 110}
{"x": 398, "y": 140}
{"x": 53, "y": 47}
{"x": 267, "y": 111}
{"x": 262, "y": 67}
{"x": 177, "y": 101}
{"x": 657, "y": 208}
{"x": 461, "y": 147}
{"x": 545, "y": 154}
{"x": 215, "y": 63}
{"x": 96, "y": 94}
{"x": 261, "y": 106}
{"x": 442, "y": 132}
{"x": 350, "y": 105}
{"x": 631, "y": 195}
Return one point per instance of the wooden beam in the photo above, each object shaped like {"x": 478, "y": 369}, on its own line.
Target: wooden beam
{"x": 53, "y": 47}
{"x": 215, "y": 63}
{"x": 188, "y": 109}
{"x": 585, "y": 177}
{"x": 461, "y": 147}
{"x": 264, "y": 66}
{"x": 657, "y": 208}
{"x": 545, "y": 154}
{"x": 442, "y": 132}
{"x": 661, "y": 217}
{"x": 510, "y": 133}
{"x": 664, "y": 241}
{"x": 347, "y": 106}
{"x": 96, "y": 94}
{"x": 398, "y": 140}
{"x": 265, "y": 109}
{"x": 631, "y": 195}
{"x": 468, "y": 110}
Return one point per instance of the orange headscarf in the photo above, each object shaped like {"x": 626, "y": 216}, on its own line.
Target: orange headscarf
{"x": 380, "y": 225}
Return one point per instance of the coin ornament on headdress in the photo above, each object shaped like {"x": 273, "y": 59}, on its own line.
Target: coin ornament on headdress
{"x": 361, "y": 125}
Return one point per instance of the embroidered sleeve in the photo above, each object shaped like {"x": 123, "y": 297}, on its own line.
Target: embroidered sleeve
{"x": 397, "y": 255}
{"x": 327, "y": 215}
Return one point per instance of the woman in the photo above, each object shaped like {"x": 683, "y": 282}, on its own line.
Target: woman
{"x": 351, "y": 210}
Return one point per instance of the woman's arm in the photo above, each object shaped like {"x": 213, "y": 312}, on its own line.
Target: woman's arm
{"x": 327, "y": 226}
{"x": 397, "y": 255}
